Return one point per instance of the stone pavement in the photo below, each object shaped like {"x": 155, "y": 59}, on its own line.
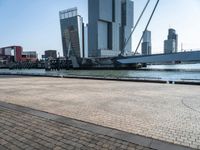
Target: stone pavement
{"x": 20, "y": 130}
{"x": 164, "y": 112}
{"x": 25, "y": 128}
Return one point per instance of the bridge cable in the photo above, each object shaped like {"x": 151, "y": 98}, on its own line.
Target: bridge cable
{"x": 146, "y": 26}
{"x": 126, "y": 42}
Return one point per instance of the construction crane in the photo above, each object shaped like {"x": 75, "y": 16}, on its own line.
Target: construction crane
{"x": 142, "y": 13}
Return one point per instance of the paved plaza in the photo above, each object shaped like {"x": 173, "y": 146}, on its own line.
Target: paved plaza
{"x": 165, "y": 112}
{"x": 29, "y": 132}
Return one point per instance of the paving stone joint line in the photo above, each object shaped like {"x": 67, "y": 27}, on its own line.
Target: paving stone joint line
{"x": 117, "y": 133}
{"x": 189, "y": 107}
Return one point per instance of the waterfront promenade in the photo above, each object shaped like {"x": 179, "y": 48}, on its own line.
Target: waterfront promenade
{"x": 163, "y": 112}
{"x": 23, "y": 128}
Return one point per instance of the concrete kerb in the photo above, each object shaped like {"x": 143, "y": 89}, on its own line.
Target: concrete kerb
{"x": 125, "y": 136}
{"x": 91, "y": 78}
{"x": 159, "y": 81}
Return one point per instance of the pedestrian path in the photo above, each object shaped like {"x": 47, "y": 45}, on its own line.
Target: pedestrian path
{"x": 19, "y": 130}
{"x": 29, "y": 129}
{"x": 156, "y": 112}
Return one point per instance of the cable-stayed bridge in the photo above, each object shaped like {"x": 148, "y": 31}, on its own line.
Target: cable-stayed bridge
{"x": 193, "y": 56}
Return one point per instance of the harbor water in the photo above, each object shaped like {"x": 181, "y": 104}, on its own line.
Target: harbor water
{"x": 179, "y": 72}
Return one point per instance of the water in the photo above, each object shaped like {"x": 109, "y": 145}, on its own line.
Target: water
{"x": 185, "y": 67}
{"x": 161, "y": 72}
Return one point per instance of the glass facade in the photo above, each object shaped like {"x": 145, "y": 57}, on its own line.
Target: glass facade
{"x": 72, "y": 33}
{"x": 171, "y": 44}
{"x": 146, "y": 44}
{"x": 110, "y": 24}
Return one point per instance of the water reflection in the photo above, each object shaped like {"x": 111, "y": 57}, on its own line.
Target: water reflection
{"x": 163, "y": 72}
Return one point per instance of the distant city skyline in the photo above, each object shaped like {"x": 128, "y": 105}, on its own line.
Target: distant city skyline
{"x": 35, "y": 24}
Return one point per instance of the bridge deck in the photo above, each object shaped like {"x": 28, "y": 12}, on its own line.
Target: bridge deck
{"x": 160, "y": 58}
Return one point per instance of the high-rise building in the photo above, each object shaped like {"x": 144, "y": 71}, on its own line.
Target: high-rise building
{"x": 110, "y": 24}
{"x": 146, "y": 44}
{"x": 171, "y": 44}
{"x": 86, "y": 41}
{"x": 72, "y": 31}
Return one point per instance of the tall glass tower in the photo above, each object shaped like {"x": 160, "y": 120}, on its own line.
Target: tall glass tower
{"x": 72, "y": 32}
{"x": 171, "y": 44}
{"x": 146, "y": 44}
{"x": 110, "y": 24}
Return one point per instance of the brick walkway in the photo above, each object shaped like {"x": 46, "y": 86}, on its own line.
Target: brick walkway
{"x": 24, "y": 131}
{"x": 168, "y": 113}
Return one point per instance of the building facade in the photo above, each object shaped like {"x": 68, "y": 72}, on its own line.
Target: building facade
{"x": 11, "y": 53}
{"x": 110, "y": 24}
{"x": 171, "y": 44}
{"x": 72, "y": 32}
{"x": 29, "y": 56}
{"x": 50, "y": 54}
{"x": 86, "y": 42}
{"x": 146, "y": 44}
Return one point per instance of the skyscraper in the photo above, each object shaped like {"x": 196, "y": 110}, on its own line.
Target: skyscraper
{"x": 146, "y": 44}
{"x": 110, "y": 24}
{"x": 86, "y": 41}
{"x": 72, "y": 31}
{"x": 171, "y": 44}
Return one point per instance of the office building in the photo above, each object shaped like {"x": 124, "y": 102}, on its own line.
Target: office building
{"x": 171, "y": 44}
{"x": 86, "y": 42}
{"x": 72, "y": 31}
{"x": 29, "y": 56}
{"x": 146, "y": 44}
{"x": 110, "y": 24}
{"x": 50, "y": 54}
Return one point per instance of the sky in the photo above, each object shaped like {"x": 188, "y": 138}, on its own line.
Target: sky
{"x": 34, "y": 24}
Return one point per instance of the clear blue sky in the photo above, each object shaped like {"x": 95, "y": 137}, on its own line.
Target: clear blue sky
{"x": 34, "y": 24}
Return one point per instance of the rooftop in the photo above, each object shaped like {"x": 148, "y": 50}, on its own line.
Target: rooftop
{"x": 68, "y": 13}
